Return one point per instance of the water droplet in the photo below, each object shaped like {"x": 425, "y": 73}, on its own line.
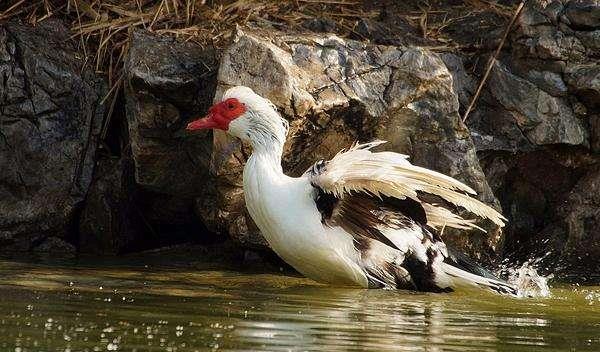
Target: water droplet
{"x": 528, "y": 282}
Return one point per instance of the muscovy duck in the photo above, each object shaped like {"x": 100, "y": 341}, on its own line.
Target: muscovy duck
{"x": 360, "y": 219}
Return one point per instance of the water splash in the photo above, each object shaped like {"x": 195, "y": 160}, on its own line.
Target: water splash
{"x": 528, "y": 281}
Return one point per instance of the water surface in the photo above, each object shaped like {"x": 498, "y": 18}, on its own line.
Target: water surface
{"x": 185, "y": 305}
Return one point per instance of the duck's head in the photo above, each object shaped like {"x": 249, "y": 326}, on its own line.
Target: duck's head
{"x": 246, "y": 115}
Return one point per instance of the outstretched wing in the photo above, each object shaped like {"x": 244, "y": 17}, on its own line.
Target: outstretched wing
{"x": 391, "y": 175}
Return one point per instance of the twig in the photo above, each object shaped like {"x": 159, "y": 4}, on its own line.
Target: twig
{"x": 81, "y": 37}
{"x": 114, "y": 91}
{"x": 13, "y": 7}
{"x": 492, "y": 60}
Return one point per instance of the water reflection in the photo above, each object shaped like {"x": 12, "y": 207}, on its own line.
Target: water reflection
{"x": 377, "y": 320}
{"x": 188, "y": 308}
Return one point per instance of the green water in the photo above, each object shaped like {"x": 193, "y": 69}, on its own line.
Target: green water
{"x": 170, "y": 305}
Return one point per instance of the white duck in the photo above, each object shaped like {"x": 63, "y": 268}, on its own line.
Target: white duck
{"x": 358, "y": 219}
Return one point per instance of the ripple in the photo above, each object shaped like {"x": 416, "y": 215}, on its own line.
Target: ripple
{"x": 166, "y": 308}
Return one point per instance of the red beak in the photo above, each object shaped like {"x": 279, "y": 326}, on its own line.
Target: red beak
{"x": 203, "y": 123}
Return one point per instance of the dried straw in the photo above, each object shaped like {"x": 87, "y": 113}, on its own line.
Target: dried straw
{"x": 102, "y": 28}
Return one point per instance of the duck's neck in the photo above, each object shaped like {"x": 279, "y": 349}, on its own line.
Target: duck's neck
{"x": 267, "y": 157}
{"x": 263, "y": 182}
{"x": 267, "y": 137}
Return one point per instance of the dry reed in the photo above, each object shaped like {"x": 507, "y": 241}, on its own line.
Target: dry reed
{"x": 102, "y": 28}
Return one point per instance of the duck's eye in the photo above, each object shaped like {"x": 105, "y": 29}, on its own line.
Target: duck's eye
{"x": 231, "y": 106}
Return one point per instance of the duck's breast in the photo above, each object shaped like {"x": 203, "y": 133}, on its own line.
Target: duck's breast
{"x": 284, "y": 210}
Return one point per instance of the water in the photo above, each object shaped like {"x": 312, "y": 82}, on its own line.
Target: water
{"x": 182, "y": 305}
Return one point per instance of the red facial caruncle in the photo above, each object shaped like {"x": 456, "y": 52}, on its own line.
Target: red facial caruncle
{"x": 219, "y": 115}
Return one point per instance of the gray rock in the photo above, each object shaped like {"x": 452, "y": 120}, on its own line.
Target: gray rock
{"x": 531, "y": 187}
{"x": 584, "y": 81}
{"x": 334, "y": 92}
{"x": 110, "y": 221}
{"x": 591, "y": 40}
{"x": 544, "y": 90}
{"x": 168, "y": 82}
{"x": 491, "y": 126}
{"x": 544, "y": 119}
{"x": 463, "y": 84}
{"x": 550, "y": 82}
{"x": 536, "y": 92}
{"x": 389, "y": 30}
{"x": 540, "y": 37}
{"x": 595, "y": 133}
{"x": 582, "y": 14}
{"x": 50, "y": 119}
{"x": 494, "y": 128}
{"x": 581, "y": 223}
{"x": 54, "y": 245}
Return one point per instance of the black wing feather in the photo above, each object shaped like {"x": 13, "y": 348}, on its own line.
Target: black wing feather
{"x": 363, "y": 215}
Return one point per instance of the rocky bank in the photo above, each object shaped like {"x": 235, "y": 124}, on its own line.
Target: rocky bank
{"x": 531, "y": 146}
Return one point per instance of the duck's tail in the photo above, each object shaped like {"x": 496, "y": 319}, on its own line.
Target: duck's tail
{"x": 463, "y": 272}
{"x": 462, "y": 278}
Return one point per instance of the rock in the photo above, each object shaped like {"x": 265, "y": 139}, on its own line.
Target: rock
{"x": 550, "y": 82}
{"x": 540, "y": 105}
{"x": 531, "y": 98}
{"x": 54, "y": 245}
{"x": 50, "y": 119}
{"x": 581, "y": 215}
{"x": 530, "y": 186}
{"x": 320, "y": 25}
{"x": 494, "y": 128}
{"x": 582, "y": 14}
{"x": 167, "y": 83}
{"x": 584, "y": 81}
{"x": 595, "y": 133}
{"x": 491, "y": 126}
{"x": 389, "y": 30}
{"x": 110, "y": 220}
{"x": 544, "y": 119}
{"x": 541, "y": 39}
{"x": 591, "y": 40}
{"x": 463, "y": 84}
{"x": 334, "y": 92}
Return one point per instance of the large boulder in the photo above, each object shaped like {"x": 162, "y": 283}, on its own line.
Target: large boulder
{"x": 543, "y": 89}
{"x": 110, "y": 221}
{"x": 581, "y": 225}
{"x": 168, "y": 82}
{"x": 334, "y": 92}
{"x": 536, "y": 127}
{"x": 582, "y": 14}
{"x": 584, "y": 82}
{"x": 542, "y": 118}
{"x": 50, "y": 120}
{"x": 553, "y": 202}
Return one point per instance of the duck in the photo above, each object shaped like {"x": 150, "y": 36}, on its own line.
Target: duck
{"x": 365, "y": 218}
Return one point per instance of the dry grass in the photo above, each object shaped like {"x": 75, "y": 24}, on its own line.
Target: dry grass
{"x": 102, "y": 28}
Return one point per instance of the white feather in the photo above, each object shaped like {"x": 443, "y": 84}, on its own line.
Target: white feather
{"x": 391, "y": 174}
{"x": 284, "y": 207}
